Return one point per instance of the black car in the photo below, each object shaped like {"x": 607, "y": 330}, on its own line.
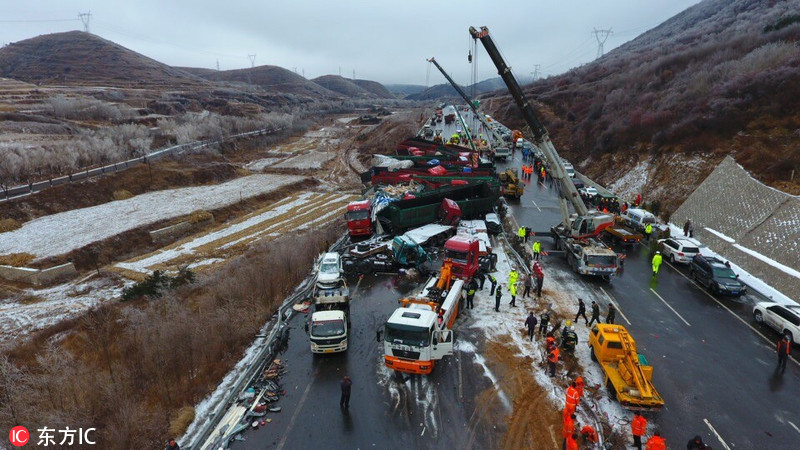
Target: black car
{"x": 716, "y": 275}
{"x": 578, "y": 183}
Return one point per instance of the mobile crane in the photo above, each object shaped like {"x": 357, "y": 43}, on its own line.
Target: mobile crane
{"x": 496, "y": 139}
{"x": 576, "y": 236}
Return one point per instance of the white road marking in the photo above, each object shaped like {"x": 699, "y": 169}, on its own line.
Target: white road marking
{"x": 716, "y": 434}
{"x": 619, "y": 310}
{"x": 296, "y": 412}
{"x": 670, "y": 307}
{"x": 794, "y": 426}
{"x": 537, "y": 206}
{"x": 729, "y": 310}
{"x": 423, "y": 431}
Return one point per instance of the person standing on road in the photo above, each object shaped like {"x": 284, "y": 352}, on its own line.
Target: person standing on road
{"x": 492, "y": 280}
{"x": 573, "y": 398}
{"x": 527, "y": 283}
{"x": 471, "y": 294}
{"x": 686, "y": 227}
{"x": 513, "y": 276}
{"x": 581, "y": 311}
{"x": 595, "y": 314}
{"x": 568, "y": 428}
{"x": 346, "y": 384}
{"x": 648, "y": 231}
{"x": 784, "y": 349}
{"x": 696, "y": 444}
{"x": 656, "y": 263}
{"x": 612, "y": 313}
{"x": 538, "y": 272}
{"x": 544, "y": 319}
{"x": 497, "y": 295}
{"x": 656, "y": 442}
{"x": 638, "y": 428}
{"x": 481, "y": 278}
{"x": 537, "y": 250}
{"x": 512, "y": 289}
{"x": 521, "y": 234}
{"x": 571, "y": 442}
{"x": 691, "y": 229}
{"x": 530, "y": 323}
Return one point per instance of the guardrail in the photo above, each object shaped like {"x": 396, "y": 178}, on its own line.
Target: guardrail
{"x": 83, "y": 174}
{"x": 203, "y": 437}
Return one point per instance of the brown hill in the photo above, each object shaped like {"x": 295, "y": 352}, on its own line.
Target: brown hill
{"x": 273, "y": 78}
{"x": 342, "y": 86}
{"x": 198, "y": 71}
{"x": 78, "y": 58}
{"x": 375, "y": 88}
{"x": 719, "y": 78}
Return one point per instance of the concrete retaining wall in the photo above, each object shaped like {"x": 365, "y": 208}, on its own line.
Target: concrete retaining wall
{"x": 756, "y": 216}
{"x": 39, "y": 277}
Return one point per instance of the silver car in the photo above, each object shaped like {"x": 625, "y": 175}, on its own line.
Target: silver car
{"x": 784, "y": 319}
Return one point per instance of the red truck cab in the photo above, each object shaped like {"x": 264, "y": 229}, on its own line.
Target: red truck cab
{"x": 462, "y": 251}
{"x": 358, "y": 218}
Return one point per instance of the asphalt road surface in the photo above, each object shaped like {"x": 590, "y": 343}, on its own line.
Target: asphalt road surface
{"x": 714, "y": 366}
{"x": 385, "y": 412}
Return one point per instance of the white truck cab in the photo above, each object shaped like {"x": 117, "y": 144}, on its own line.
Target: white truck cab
{"x": 329, "y": 270}
{"x": 328, "y": 331}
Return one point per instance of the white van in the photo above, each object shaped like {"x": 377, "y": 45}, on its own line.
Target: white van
{"x": 638, "y": 218}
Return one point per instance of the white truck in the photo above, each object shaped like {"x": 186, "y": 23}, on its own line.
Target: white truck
{"x": 329, "y": 327}
{"x": 420, "y": 331}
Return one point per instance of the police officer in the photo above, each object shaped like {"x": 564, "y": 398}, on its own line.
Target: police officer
{"x": 471, "y": 293}
{"x": 492, "y": 280}
{"x": 612, "y": 313}
{"x": 497, "y": 295}
{"x": 595, "y": 314}
{"x": 581, "y": 311}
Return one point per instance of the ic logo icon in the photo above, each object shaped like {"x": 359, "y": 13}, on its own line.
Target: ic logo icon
{"x": 19, "y": 436}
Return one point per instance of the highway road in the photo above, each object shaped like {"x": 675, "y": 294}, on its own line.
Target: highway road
{"x": 713, "y": 365}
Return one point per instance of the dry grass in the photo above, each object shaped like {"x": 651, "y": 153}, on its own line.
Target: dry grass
{"x": 28, "y": 299}
{"x": 16, "y": 259}
{"x": 122, "y": 194}
{"x": 9, "y": 225}
{"x": 181, "y": 421}
{"x": 200, "y": 216}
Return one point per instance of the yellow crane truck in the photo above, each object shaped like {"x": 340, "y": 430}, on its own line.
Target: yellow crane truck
{"x": 510, "y": 185}
{"x": 628, "y": 375}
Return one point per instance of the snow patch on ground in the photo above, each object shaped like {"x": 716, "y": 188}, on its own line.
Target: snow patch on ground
{"x": 744, "y": 276}
{"x": 632, "y": 182}
{"x": 60, "y": 233}
{"x": 417, "y": 388}
{"x": 57, "y": 303}
{"x": 312, "y": 160}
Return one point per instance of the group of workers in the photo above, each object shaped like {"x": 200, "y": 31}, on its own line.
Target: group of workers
{"x": 571, "y": 431}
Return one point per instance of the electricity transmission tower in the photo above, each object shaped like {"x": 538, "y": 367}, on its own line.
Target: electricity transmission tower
{"x": 536, "y": 71}
{"x": 601, "y": 36}
{"x": 252, "y": 60}
{"x": 85, "y": 18}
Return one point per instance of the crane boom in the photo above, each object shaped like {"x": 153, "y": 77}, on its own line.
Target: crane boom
{"x": 568, "y": 190}
{"x": 468, "y": 100}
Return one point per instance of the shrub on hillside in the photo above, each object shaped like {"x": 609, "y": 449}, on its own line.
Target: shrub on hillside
{"x": 155, "y": 284}
{"x": 9, "y": 225}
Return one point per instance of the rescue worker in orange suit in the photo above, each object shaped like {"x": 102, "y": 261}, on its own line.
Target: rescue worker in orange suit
{"x": 571, "y": 442}
{"x": 590, "y": 436}
{"x": 552, "y": 360}
{"x": 579, "y": 386}
{"x": 784, "y": 349}
{"x": 569, "y": 428}
{"x": 656, "y": 442}
{"x": 638, "y": 428}
{"x": 573, "y": 398}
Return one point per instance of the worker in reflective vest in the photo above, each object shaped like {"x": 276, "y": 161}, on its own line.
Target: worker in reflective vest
{"x": 648, "y": 230}
{"x": 638, "y": 428}
{"x": 572, "y": 397}
{"x": 579, "y": 386}
{"x": 521, "y": 233}
{"x": 656, "y": 263}
{"x": 552, "y": 360}
{"x": 589, "y": 435}
{"x": 537, "y": 250}
{"x": 656, "y": 442}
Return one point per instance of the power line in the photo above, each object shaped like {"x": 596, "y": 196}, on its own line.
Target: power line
{"x": 601, "y": 36}
{"x": 85, "y": 18}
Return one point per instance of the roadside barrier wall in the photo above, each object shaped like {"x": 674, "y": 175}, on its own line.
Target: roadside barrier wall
{"x": 38, "y": 277}
{"x": 757, "y": 217}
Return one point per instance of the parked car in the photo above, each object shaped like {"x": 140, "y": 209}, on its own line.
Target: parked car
{"x": 679, "y": 250}
{"x": 578, "y": 183}
{"x": 716, "y": 275}
{"x": 637, "y": 219}
{"x": 784, "y": 319}
{"x": 588, "y": 191}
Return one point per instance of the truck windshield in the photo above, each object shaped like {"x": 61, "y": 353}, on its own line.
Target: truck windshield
{"x": 456, "y": 256}
{"x": 602, "y": 260}
{"x": 723, "y": 272}
{"x": 357, "y": 215}
{"x": 327, "y": 328}
{"x": 331, "y": 268}
{"x": 407, "y": 335}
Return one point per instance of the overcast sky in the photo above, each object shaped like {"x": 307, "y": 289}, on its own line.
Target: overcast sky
{"x": 383, "y": 41}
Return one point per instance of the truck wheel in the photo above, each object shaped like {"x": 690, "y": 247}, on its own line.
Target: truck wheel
{"x": 612, "y": 393}
{"x": 591, "y": 353}
{"x": 758, "y": 316}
